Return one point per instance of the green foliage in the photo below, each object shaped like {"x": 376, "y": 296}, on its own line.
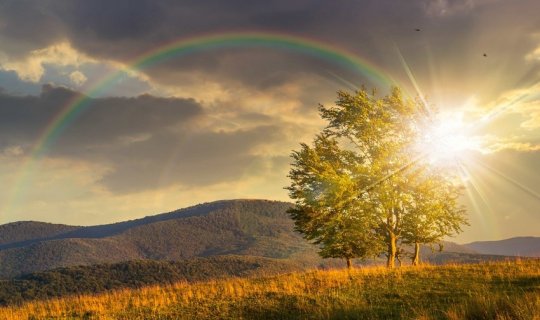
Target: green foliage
{"x": 434, "y": 213}
{"x": 361, "y": 188}
{"x": 133, "y": 274}
{"x": 323, "y": 188}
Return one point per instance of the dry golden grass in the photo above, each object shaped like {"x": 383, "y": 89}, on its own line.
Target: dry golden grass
{"x": 504, "y": 290}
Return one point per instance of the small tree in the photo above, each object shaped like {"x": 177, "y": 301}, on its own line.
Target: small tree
{"x": 434, "y": 212}
{"x": 353, "y": 187}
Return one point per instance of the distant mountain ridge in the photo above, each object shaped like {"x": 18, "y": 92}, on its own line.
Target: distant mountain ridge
{"x": 258, "y": 228}
{"x": 16, "y": 234}
{"x": 518, "y": 246}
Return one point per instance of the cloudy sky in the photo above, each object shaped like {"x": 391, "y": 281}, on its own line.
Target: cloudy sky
{"x": 219, "y": 121}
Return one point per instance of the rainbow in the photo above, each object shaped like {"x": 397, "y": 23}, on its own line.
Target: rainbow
{"x": 190, "y": 46}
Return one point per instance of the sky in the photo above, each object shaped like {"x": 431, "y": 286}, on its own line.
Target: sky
{"x": 115, "y": 110}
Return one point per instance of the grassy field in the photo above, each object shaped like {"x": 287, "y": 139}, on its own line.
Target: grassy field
{"x": 502, "y": 290}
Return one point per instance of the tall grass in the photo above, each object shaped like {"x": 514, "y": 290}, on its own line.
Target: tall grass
{"x": 503, "y": 290}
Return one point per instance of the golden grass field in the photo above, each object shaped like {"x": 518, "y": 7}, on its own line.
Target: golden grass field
{"x": 502, "y": 290}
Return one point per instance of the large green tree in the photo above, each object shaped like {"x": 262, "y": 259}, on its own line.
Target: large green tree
{"x": 353, "y": 188}
{"x": 324, "y": 181}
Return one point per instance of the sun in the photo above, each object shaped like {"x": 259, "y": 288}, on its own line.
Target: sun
{"x": 446, "y": 140}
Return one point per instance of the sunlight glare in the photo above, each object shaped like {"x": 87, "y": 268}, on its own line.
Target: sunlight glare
{"x": 446, "y": 140}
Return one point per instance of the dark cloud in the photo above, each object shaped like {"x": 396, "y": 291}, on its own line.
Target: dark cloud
{"x": 112, "y": 21}
{"x": 147, "y": 141}
{"x": 28, "y": 25}
{"x": 452, "y": 30}
{"x": 121, "y": 30}
{"x": 103, "y": 120}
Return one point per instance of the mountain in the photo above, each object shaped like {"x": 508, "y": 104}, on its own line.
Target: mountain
{"x": 446, "y": 246}
{"x": 233, "y": 227}
{"x": 519, "y": 246}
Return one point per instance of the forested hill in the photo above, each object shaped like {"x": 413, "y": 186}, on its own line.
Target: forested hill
{"x": 27, "y": 232}
{"x": 240, "y": 227}
{"x": 133, "y": 274}
{"x": 22, "y": 231}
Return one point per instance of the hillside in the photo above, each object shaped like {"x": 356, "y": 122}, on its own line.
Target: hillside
{"x": 476, "y": 291}
{"x": 519, "y": 246}
{"x": 259, "y": 228}
{"x": 133, "y": 274}
{"x": 238, "y": 227}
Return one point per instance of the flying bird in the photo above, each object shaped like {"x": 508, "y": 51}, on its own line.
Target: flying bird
{"x": 485, "y": 55}
{"x": 417, "y": 30}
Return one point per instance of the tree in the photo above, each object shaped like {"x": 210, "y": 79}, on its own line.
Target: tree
{"x": 353, "y": 188}
{"x": 322, "y": 184}
{"x": 434, "y": 214}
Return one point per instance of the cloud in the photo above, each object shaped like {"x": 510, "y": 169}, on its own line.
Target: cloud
{"x": 23, "y": 118}
{"x": 68, "y": 191}
{"x": 12, "y": 151}
{"x": 126, "y": 29}
{"x": 78, "y": 78}
{"x": 123, "y": 30}
{"x": 32, "y": 66}
{"x": 441, "y": 8}
{"x": 61, "y": 64}
{"x": 188, "y": 159}
{"x": 106, "y": 127}
{"x": 534, "y": 55}
{"x": 144, "y": 142}
{"x": 512, "y": 146}
{"x": 523, "y": 101}
{"x": 533, "y": 123}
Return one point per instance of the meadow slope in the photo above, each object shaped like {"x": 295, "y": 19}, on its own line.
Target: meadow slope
{"x": 497, "y": 290}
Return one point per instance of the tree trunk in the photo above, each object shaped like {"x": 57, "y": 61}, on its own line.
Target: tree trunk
{"x": 392, "y": 247}
{"x": 349, "y": 264}
{"x": 416, "y": 257}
